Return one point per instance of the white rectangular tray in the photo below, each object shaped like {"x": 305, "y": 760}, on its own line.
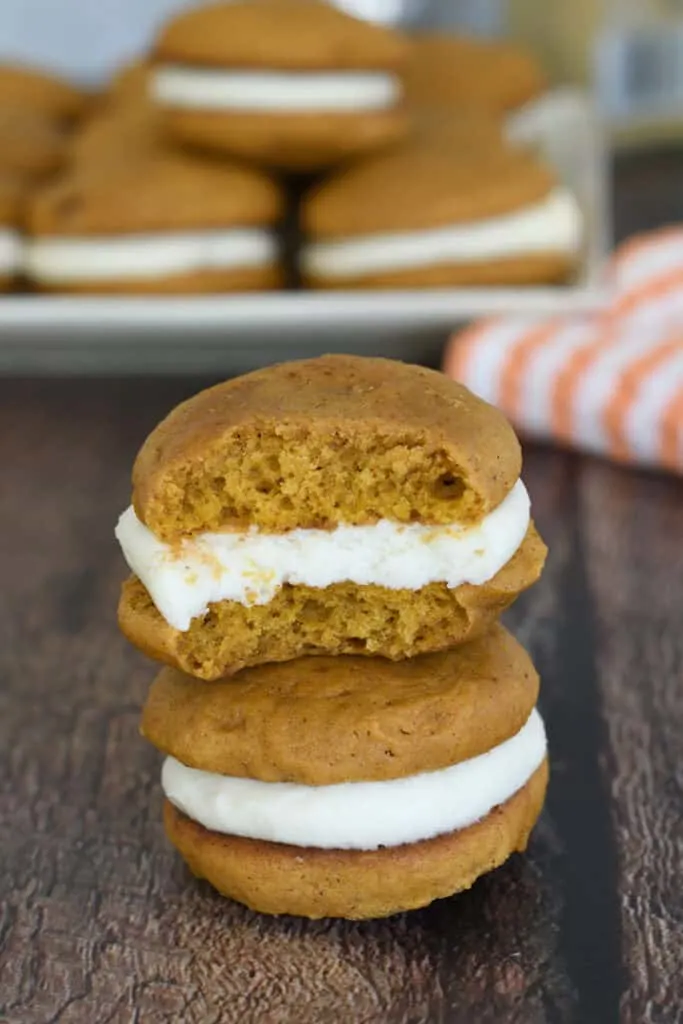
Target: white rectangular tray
{"x": 229, "y": 333}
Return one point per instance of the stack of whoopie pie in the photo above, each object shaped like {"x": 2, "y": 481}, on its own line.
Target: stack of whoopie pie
{"x": 320, "y": 553}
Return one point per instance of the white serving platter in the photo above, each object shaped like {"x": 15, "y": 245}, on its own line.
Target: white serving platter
{"x": 230, "y": 333}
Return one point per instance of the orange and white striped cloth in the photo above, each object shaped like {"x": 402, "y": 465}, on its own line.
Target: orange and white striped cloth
{"x": 611, "y": 382}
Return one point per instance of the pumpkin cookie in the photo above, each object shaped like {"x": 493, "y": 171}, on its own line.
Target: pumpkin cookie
{"x": 32, "y": 146}
{"x": 130, "y": 85}
{"x": 335, "y": 506}
{"x": 295, "y": 84}
{"x": 432, "y": 214}
{"x": 156, "y": 222}
{"x": 389, "y": 719}
{"x": 110, "y": 138}
{"x": 454, "y": 71}
{"x": 42, "y": 93}
{"x": 436, "y": 775}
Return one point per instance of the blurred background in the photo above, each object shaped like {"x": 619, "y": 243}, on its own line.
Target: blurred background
{"x": 629, "y": 50}
{"x": 603, "y": 111}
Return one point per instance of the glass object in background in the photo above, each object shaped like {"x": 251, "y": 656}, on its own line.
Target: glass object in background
{"x": 386, "y": 12}
{"x": 482, "y": 17}
{"x": 630, "y": 51}
{"x": 478, "y": 17}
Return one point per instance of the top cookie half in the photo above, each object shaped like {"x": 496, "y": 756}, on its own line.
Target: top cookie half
{"x": 282, "y": 34}
{"x": 318, "y": 443}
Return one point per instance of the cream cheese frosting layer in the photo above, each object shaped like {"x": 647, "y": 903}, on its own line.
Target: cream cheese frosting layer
{"x": 250, "y": 567}
{"x": 11, "y": 251}
{"x": 274, "y": 91}
{"x": 133, "y": 257}
{"x": 553, "y": 225}
{"x": 359, "y": 815}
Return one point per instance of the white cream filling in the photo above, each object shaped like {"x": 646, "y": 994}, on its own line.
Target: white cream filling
{"x": 359, "y": 815}
{"x": 250, "y": 567}
{"x": 553, "y": 225}
{"x": 134, "y": 257}
{"x": 275, "y": 91}
{"x": 11, "y": 251}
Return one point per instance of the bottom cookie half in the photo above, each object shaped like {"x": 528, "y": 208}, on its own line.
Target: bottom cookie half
{"x": 301, "y": 142}
{"x": 546, "y": 268}
{"x": 278, "y": 879}
{"x": 345, "y": 618}
{"x": 246, "y": 279}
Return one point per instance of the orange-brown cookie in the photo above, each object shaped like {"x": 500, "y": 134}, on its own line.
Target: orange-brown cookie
{"x": 41, "y": 92}
{"x": 454, "y": 71}
{"x": 338, "y": 439}
{"x": 129, "y": 85}
{"x": 200, "y": 282}
{"x": 433, "y": 214}
{"x": 116, "y": 134}
{"x": 295, "y": 84}
{"x": 12, "y": 201}
{"x": 155, "y": 221}
{"x": 278, "y": 879}
{"x": 387, "y": 719}
{"x": 32, "y": 146}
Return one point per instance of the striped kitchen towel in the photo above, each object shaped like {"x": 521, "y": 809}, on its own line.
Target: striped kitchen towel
{"x": 610, "y": 383}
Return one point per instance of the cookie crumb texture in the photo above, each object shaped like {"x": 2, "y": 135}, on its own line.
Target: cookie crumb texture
{"x": 340, "y": 439}
{"x": 342, "y": 619}
{"x": 277, "y": 879}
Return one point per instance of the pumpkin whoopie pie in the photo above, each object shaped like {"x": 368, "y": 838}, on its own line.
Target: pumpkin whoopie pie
{"x": 339, "y": 505}
{"x": 446, "y": 208}
{"x": 295, "y": 84}
{"x": 155, "y": 221}
{"x": 352, "y": 787}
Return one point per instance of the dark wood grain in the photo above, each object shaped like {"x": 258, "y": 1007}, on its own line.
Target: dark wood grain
{"x": 634, "y": 557}
{"x": 101, "y": 922}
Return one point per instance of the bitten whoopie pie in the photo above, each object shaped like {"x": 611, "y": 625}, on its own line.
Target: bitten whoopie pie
{"x": 340, "y": 505}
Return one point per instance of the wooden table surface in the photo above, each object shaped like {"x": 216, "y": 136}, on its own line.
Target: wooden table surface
{"x": 101, "y": 924}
